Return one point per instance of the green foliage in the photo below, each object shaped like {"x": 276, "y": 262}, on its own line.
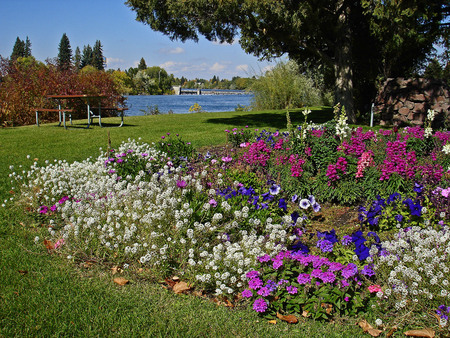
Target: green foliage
{"x": 238, "y": 137}
{"x": 97, "y": 56}
{"x": 283, "y": 87}
{"x": 151, "y": 110}
{"x": 195, "y": 108}
{"x": 179, "y": 152}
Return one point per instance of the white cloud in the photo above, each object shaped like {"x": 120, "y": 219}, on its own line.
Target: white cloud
{"x": 242, "y": 68}
{"x": 115, "y": 62}
{"x": 217, "y": 67}
{"x": 176, "y": 50}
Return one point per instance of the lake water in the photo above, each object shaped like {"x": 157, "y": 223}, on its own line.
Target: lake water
{"x": 180, "y": 104}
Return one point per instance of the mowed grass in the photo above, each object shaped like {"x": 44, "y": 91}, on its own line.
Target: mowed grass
{"x": 47, "y": 295}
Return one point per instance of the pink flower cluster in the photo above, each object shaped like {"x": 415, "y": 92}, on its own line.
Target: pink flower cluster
{"x": 296, "y": 165}
{"x": 258, "y": 153}
{"x": 332, "y": 170}
{"x": 357, "y": 145}
{"x": 398, "y": 160}
{"x": 364, "y": 161}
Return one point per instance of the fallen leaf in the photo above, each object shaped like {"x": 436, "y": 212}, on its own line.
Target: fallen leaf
{"x": 391, "y": 332}
{"x": 116, "y": 269}
{"x": 22, "y": 272}
{"x": 170, "y": 282}
{"x": 305, "y": 314}
{"x": 228, "y": 303}
{"x": 198, "y": 293}
{"x": 49, "y": 245}
{"x": 365, "y": 325}
{"x": 374, "y": 332}
{"x": 428, "y": 333}
{"x": 121, "y": 281}
{"x": 273, "y": 321}
{"x": 180, "y": 287}
{"x": 140, "y": 270}
{"x": 291, "y": 319}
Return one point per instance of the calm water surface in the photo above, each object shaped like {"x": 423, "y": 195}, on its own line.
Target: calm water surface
{"x": 180, "y": 104}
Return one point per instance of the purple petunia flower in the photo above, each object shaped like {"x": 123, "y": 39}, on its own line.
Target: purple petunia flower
{"x": 304, "y": 203}
{"x": 264, "y": 258}
{"x": 274, "y": 189}
{"x": 316, "y": 207}
{"x": 368, "y": 271}
{"x": 260, "y": 305}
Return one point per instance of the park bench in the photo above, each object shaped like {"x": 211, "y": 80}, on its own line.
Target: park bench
{"x": 120, "y": 110}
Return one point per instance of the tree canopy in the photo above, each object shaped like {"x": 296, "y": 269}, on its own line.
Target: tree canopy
{"x": 64, "y": 53}
{"x": 353, "y": 41}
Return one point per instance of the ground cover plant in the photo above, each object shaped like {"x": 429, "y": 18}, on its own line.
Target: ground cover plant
{"x": 236, "y": 222}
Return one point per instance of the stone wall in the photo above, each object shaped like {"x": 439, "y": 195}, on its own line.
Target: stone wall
{"x": 403, "y": 102}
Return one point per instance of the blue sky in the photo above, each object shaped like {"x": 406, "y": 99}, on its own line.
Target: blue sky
{"x": 125, "y": 41}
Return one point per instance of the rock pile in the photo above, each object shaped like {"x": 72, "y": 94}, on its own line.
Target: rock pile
{"x": 406, "y": 102}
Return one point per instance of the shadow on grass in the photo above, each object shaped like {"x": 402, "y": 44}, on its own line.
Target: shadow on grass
{"x": 274, "y": 119}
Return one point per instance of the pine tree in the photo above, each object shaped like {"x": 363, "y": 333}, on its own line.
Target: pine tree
{"x": 86, "y": 58}
{"x": 18, "y": 49}
{"x": 142, "y": 65}
{"x": 65, "y": 53}
{"x": 77, "y": 58}
{"x": 27, "y": 49}
{"x": 97, "y": 56}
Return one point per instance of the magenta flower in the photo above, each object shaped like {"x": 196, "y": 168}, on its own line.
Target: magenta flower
{"x": 264, "y": 291}
{"x": 181, "y": 184}
{"x": 53, "y": 207}
{"x": 255, "y": 283}
{"x": 304, "y": 278}
{"x": 43, "y": 209}
{"x": 247, "y": 293}
{"x": 252, "y": 274}
{"x": 213, "y": 202}
{"x": 291, "y": 289}
{"x": 260, "y": 305}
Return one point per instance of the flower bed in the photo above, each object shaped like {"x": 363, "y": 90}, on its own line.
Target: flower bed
{"x": 238, "y": 223}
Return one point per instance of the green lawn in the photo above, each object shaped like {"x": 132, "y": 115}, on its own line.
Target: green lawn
{"x": 44, "y": 294}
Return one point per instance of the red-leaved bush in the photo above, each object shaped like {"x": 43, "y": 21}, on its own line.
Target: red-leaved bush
{"x": 25, "y": 84}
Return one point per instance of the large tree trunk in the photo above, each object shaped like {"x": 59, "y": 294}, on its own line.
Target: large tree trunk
{"x": 343, "y": 70}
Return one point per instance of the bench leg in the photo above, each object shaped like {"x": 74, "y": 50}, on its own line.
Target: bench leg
{"x": 37, "y": 118}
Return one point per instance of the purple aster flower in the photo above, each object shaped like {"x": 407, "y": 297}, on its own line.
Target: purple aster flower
{"x": 328, "y": 277}
{"x": 264, "y": 291}
{"x": 325, "y": 245}
{"x": 252, "y": 274}
{"x": 349, "y": 270}
{"x": 346, "y": 299}
{"x": 304, "y": 278}
{"x": 260, "y": 305}
{"x": 346, "y": 240}
{"x": 255, "y": 283}
{"x": 247, "y": 293}
{"x": 264, "y": 258}
{"x": 277, "y": 263}
{"x": 368, "y": 271}
{"x": 291, "y": 289}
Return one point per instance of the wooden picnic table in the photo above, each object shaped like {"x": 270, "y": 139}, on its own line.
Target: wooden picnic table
{"x": 66, "y": 103}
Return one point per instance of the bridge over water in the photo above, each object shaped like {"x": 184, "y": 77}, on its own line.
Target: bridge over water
{"x": 198, "y": 91}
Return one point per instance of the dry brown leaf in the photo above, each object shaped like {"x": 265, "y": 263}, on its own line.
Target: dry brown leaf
{"x": 391, "y": 332}
{"x": 22, "y": 272}
{"x": 114, "y": 270}
{"x": 121, "y": 281}
{"x": 198, "y": 293}
{"x": 428, "y": 333}
{"x": 49, "y": 245}
{"x": 140, "y": 270}
{"x": 374, "y": 332}
{"x": 181, "y": 287}
{"x": 328, "y": 307}
{"x": 170, "y": 282}
{"x": 273, "y": 321}
{"x": 365, "y": 325}
{"x": 305, "y": 314}
{"x": 291, "y": 319}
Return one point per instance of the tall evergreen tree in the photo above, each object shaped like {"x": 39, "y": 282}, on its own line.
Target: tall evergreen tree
{"x": 86, "y": 58}
{"x": 27, "y": 49}
{"x": 97, "y": 56}
{"x": 142, "y": 65}
{"x": 65, "y": 53}
{"x": 18, "y": 49}
{"x": 77, "y": 58}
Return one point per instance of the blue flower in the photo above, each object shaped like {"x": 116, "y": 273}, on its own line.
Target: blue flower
{"x": 325, "y": 245}
{"x": 398, "y": 218}
{"x": 328, "y": 235}
{"x": 316, "y": 207}
{"x": 418, "y": 188}
{"x": 294, "y": 216}
{"x": 304, "y": 203}
{"x": 300, "y": 247}
{"x": 312, "y": 199}
{"x": 282, "y": 204}
{"x": 393, "y": 197}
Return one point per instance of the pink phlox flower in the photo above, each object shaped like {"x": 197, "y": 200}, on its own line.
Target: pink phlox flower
{"x": 374, "y": 288}
{"x": 59, "y": 243}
